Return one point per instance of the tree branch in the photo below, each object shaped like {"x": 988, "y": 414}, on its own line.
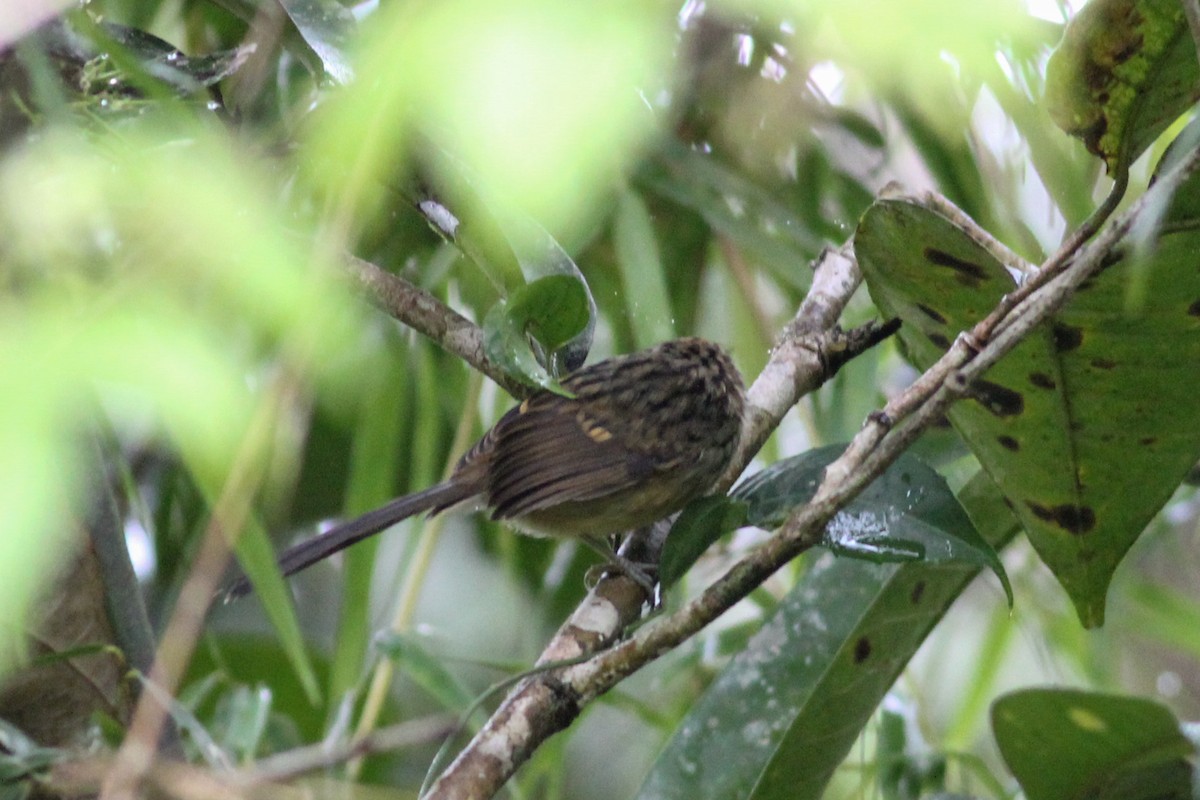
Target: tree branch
{"x": 429, "y": 316}
{"x": 546, "y": 703}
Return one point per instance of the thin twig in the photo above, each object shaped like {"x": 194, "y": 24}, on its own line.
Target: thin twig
{"x": 136, "y": 755}
{"x": 1061, "y": 257}
{"x": 415, "y": 573}
{"x": 429, "y": 316}
{"x": 301, "y": 760}
{"x": 82, "y": 777}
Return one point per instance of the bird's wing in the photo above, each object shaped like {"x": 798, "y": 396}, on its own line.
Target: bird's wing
{"x": 546, "y": 452}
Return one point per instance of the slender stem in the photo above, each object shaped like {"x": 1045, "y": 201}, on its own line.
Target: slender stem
{"x": 744, "y": 278}
{"x": 416, "y": 573}
{"x": 136, "y": 754}
{"x": 1191, "y": 8}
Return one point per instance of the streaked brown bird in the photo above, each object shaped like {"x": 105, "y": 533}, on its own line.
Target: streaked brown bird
{"x": 643, "y": 436}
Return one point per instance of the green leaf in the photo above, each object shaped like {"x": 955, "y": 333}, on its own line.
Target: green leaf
{"x": 235, "y": 660}
{"x": 1090, "y": 423}
{"x": 553, "y": 310}
{"x": 21, "y": 757}
{"x": 425, "y": 670}
{"x": 701, "y": 523}
{"x": 734, "y": 206}
{"x": 382, "y": 441}
{"x": 642, "y": 272}
{"x": 113, "y": 60}
{"x": 785, "y": 711}
{"x": 907, "y": 514}
{"x": 257, "y": 557}
{"x": 241, "y": 718}
{"x": 1184, "y": 206}
{"x": 329, "y": 29}
{"x": 1124, "y": 71}
{"x": 906, "y": 765}
{"x": 1069, "y": 744}
{"x": 508, "y": 246}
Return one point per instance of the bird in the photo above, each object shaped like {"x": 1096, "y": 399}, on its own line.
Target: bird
{"x": 640, "y": 436}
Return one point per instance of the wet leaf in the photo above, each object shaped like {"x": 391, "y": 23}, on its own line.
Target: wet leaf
{"x": 114, "y": 59}
{"x": 552, "y": 310}
{"x": 328, "y": 28}
{"x": 734, "y": 206}
{"x": 1090, "y": 423}
{"x": 782, "y": 715}
{"x": 425, "y": 670}
{"x": 508, "y": 246}
{"x": 907, "y": 514}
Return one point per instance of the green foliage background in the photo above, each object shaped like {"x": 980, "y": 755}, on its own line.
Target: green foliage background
{"x": 173, "y": 291}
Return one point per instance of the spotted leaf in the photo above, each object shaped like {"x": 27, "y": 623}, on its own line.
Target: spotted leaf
{"x": 1090, "y": 423}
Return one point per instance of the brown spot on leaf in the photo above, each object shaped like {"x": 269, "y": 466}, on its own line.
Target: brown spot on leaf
{"x": 918, "y": 591}
{"x": 1000, "y": 400}
{"x": 968, "y": 273}
{"x": 862, "y": 650}
{"x": 1066, "y": 337}
{"x": 1009, "y": 443}
{"x": 1104, "y": 363}
{"x": 939, "y": 340}
{"x": 1146, "y": 441}
{"x": 1071, "y": 518}
{"x": 1042, "y": 380}
{"x": 931, "y": 313}
{"x": 1131, "y": 48}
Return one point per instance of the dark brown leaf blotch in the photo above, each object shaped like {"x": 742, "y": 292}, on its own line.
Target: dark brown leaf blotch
{"x": 1042, "y": 380}
{"x": 968, "y": 273}
{"x": 1071, "y": 518}
{"x": 931, "y": 313}
{"x": 1000, "y": 400}
{"x": 1067, "y": 337}
{"x": 918, "y": 591}
{"x": 1009, "y": 443}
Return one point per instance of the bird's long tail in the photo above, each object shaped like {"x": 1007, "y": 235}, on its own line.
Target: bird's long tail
{"x": 310, "y": 551}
